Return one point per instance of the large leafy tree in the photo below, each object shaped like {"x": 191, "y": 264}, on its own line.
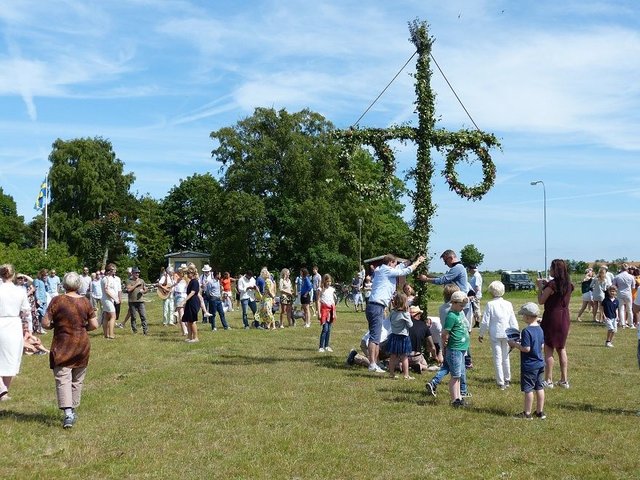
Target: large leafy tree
{"x": 91, "y": 207}
{"x": 151, "y": 241}
{"x": 190, "y": 214}
{"x": 12, "y": 226}
{"x": 282, "y": 167}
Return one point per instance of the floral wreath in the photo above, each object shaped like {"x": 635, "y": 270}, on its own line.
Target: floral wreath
{"x": 460, "y": 153}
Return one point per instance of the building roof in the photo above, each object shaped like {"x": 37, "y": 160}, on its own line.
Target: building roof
{"x": 379, "y": 259}
{"x": 187, "y": 254}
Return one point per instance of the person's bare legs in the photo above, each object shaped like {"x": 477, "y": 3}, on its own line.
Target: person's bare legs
{"x": 540, "y": 400}
{"x": 7, "y": 382}
{"x": 564, "y": 364}
{"x": 584, "y": 306}
{"x": 373, "y": 351}
{"x": 307, "y": 315}
{"x": 193, "y": 331}
{"x": 109, "y": 324}
{"x": 548, "y": 364}
{"x": 393, "y": 363}
{"x": 404, "y": 361}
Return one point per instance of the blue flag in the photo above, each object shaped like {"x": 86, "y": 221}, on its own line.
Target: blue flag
{"x": 42, "y": 196}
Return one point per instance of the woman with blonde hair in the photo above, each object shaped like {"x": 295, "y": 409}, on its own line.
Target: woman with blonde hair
{"x": 14, "y": 308}
{"x": 70, "y": 316}
{"x": 180, "y": 297}
{"x": 110, "y": 298}
{"x": 266, "y": 307}
{"x": 286, "y": 296}
{"x": 192, "y": 304}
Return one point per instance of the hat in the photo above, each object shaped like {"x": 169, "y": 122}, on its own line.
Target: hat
{"x": 414, "y": 309}
{"x": 530, "y": 309}
{"x": 512, "y": 334}
{"x": 206, "y": 268}
{"x": 135, "y": 270}
{"x": 459, "y": 297}
{"x": 473, "y": 266}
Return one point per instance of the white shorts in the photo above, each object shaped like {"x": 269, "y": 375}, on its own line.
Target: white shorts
{"x": 612, "y": 324}
{"x": 108, "y": 306}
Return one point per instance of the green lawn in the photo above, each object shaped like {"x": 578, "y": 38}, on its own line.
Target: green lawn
{"x": 260, "y": 404}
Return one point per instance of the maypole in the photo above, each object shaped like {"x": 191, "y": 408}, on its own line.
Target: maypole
{"x": 454, "y": 146}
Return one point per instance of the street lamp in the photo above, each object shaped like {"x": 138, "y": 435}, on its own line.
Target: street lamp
{"x": 359, "y": 243}
{"x": 544, "y": 198}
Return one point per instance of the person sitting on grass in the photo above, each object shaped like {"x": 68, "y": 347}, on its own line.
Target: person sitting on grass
{"x": 32, "y": 344}
{"x": 421, "y": 341}
{"x": 498, "y": 316}
{"x": 610, "y": 313}
{"x": 362, "y": 359}
{"x": 531, "y": 362}
{"x": 455, "y": 341}
{"x": 399, "y": 346}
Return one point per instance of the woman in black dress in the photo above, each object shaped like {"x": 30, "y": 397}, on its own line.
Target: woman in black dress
{"x": 192, "y": 305}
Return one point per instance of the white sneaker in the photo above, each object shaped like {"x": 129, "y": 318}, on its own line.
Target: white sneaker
{"x": 608, "y": 344}
{"x": 321, "y": 350}
{"x": 329, "y": 349}
{"x": 563, "y": 384}
{"x": 546, "y": 384}
{"x": 375, "y": 368}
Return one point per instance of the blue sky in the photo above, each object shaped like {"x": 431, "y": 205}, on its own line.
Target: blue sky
{"x": 557, "y": 82}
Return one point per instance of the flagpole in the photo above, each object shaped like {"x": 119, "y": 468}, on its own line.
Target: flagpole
{"x": 46, "y": 213}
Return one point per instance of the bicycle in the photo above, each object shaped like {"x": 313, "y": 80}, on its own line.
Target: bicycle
{"x": 344, "y": 294}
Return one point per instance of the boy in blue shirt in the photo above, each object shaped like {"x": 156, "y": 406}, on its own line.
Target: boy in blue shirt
{"x": 610, "y": 313}
{"x": 531, "y": 361}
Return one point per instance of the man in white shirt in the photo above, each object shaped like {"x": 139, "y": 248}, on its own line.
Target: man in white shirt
{"x": 247, "y": 290}
{"x": 85, "y": 283}
{"x": 625, "y": 283}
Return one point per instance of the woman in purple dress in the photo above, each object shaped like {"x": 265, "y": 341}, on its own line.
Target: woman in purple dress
{"x": 555, "y": 295}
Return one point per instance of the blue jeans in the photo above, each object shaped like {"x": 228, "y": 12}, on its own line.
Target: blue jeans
{"x": 252, "y": 305}
{"x": 444, "y": 371}
{"x": 325, "y": 334}
{"x": 215, "y": 305}
{"x": 375, "y": 316}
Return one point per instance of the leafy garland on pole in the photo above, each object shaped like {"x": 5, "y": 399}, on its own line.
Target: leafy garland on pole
{"x": 455, "y": 146}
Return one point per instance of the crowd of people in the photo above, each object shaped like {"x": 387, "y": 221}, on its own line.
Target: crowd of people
{"x": 400, "y": 337}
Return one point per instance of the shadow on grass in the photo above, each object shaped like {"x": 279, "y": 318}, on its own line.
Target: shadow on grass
{"x": 591, "y": 408}
{"x": 46, "y": 419}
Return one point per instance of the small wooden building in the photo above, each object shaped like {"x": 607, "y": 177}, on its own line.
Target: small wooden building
{"x": 178, "y": 259}
{"x": 372, "y": 263}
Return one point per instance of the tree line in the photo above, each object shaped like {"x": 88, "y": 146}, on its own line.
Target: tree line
{"x": 279, "y": 199}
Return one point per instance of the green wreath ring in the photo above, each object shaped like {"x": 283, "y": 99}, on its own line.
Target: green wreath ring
{"x": 460, "y": 153}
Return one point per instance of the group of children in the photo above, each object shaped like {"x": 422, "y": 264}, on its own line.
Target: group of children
{"x": 500, "y": 322}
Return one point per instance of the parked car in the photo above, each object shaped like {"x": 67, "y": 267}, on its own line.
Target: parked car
{"x": 517, "y": 280}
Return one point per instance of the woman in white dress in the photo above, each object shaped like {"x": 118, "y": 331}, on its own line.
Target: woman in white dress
{"x": 14, "y": 308}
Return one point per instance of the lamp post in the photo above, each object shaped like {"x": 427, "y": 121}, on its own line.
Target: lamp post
{"x": 359, "y": 243}
{"x": 544, "y": 198}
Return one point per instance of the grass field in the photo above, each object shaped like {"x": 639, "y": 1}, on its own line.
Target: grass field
{"x": 260, "y": 404}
